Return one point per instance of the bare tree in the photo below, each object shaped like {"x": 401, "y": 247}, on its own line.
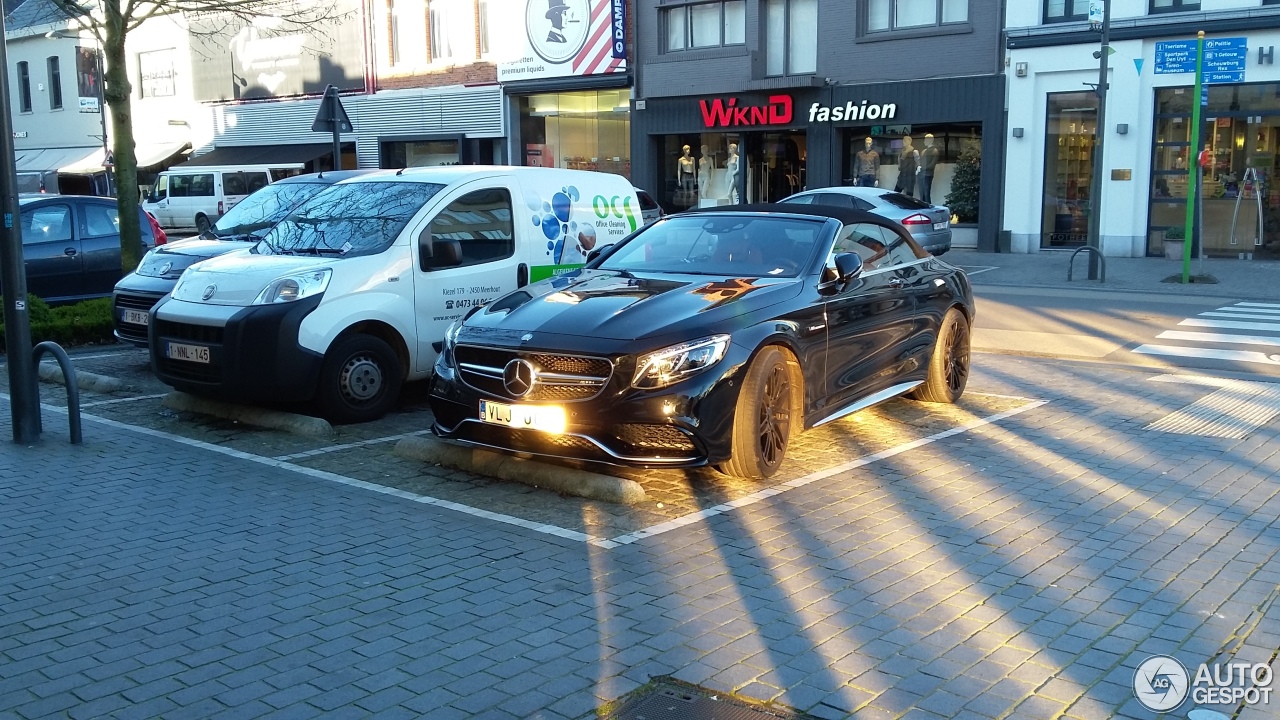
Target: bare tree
{"x": 111, "y": 21}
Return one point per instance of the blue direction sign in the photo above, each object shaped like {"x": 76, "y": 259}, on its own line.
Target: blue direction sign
{"x": 1175, "y": 56}
{"x": 1225, "y": 60}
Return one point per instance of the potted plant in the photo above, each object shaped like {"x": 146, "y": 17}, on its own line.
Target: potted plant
{"x": 1174, "y": 238}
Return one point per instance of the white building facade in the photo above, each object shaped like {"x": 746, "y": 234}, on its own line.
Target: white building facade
{"x": 1053, "y": 112}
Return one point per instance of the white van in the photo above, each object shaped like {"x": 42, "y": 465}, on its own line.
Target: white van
{"x": 186, "y": 198}
{"x": 350, "y": 295}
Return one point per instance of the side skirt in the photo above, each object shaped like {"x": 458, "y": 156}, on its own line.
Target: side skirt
{"x": 873, "y": 399}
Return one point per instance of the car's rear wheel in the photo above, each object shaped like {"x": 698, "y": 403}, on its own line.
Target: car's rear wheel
{"x": 949, "y": 366}
{"x": 360, "y": 379}
{"x": 766, "y": 415}
{"x": 202, "y": 223}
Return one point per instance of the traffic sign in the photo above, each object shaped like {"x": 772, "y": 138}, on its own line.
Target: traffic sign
{"x": 332, "y": 117}
{"x": 1175, "y": 56}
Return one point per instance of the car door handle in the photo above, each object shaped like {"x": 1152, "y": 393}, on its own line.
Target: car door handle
{"x": 69, "y": 252}
{"x": 897, "y": 282}
{"x": 522, "y": 275}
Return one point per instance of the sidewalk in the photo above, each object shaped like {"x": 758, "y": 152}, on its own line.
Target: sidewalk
{"x": 1254, "y": 279}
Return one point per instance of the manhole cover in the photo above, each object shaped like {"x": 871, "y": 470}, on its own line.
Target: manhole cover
{"x": 676, "y": 701}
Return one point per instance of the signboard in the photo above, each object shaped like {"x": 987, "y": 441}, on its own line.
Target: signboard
{"x": 1224, "y": 58}
{"x": 1095, "y": 13}
{"x": 270, "y": 57}
{"x": 1175, "y": 56}
{"x": 89, "y": 80}
{"x": 155, "y": 73}
{"x": 566, "y": 38}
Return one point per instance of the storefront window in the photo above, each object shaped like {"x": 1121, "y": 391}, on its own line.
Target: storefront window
{"x": 588, "y": 130}
{"x": 420, "y": 153}
{"x": 710, "y": 169}
{"x": 1068, "y": 169}
{"x": 939, "y": 151}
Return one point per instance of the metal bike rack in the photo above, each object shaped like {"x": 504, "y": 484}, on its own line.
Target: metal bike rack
{"x": 1102, "y": 262}
{"x": 69, "y": 377}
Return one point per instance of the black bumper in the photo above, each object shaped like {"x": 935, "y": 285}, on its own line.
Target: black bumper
{"x": 254, "y": 357}
{"x": 688, "y": 424}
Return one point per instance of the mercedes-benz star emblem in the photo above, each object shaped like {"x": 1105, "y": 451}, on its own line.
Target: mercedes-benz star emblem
{"x": 208, "y": 292}
{"x": 519, "y": 377}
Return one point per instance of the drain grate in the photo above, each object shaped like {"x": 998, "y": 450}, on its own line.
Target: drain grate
{"x": 1236, "y": 409}
{"x": 670, "y": 700}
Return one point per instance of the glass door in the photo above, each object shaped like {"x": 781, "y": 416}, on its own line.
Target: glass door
{"x": 1068, "y": 169}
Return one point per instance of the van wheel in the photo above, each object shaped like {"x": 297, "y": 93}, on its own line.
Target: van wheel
{"x": 949, "y": 366}
{"x": 765, "y": 418}
{"x": 202, "y": 223}
{"x": 360, "y": 380}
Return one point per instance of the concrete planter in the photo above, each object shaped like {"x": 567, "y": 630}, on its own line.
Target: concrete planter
{"x": 1173, "y": 249}
{"x": 964, "y": 236}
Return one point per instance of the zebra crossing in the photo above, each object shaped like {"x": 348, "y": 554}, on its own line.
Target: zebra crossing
{"x": 1255, "y": 340}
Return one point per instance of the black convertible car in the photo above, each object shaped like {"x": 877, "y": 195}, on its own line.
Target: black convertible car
{"x": 709, "y": 338}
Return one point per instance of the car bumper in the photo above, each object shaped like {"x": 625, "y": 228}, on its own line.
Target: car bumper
{"x": 688, "y": 424}
{"x": 934, "y": 241}
{"x": 253, "y": 352}
{"x": 139, "y": 294}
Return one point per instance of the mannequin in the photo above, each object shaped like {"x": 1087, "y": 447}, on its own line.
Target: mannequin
{"x": 866, "y": 166}
{"x": 685, "y": 176}
{"x": 731, "y": 172}
{"x": 928, "y": 164}
{"x": 705, "y": 165}
{"x": 908, "y": 163}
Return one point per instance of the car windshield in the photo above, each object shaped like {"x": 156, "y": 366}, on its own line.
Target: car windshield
{"x": 260, "y": 211}
{"x": 732, "y": 245}
{"x": 352, "y": 219}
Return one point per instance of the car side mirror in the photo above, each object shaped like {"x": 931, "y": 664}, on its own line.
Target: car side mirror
{"x": 598, "y": 252}
{"x": 424, "y": 249}
{"x": 848, "y": 267}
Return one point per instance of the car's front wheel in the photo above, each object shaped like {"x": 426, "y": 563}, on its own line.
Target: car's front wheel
{"x": 360, "y": 379}
{"x": 202, "y": 223}
{"x": 765, "y": 417}
{"x": 949, "y": 366}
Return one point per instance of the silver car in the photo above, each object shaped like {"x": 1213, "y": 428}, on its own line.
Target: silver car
{"x": 929, "y": 224}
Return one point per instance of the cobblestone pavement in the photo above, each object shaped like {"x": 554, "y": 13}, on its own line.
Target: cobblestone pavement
{"x": 1020, "y": 567}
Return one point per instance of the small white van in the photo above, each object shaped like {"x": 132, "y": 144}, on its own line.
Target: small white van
{"x": 350, "y": 295}
{"x": 187, "y": 198}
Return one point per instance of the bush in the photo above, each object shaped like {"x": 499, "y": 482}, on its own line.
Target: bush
{"x": 84, "y": 323}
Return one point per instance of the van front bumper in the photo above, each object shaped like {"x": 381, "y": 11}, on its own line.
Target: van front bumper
{"x": 252, "y": 352}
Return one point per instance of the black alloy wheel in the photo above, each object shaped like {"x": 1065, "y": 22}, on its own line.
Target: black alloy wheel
{"x": 775, "y": 416}
{"x": 762, "y": 428}
{"x": 949, "y": 365}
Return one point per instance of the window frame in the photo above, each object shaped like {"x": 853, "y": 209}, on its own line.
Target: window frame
{"x": 53, "y": 65}
{"x": 893, "y": 19}
{"x": 1072, "y": 11}
{"x": 1177, "y": 6}
{"x": 786, "y": 40}
{"x": 686, "y": 7}
{"x": 24, "y": 87}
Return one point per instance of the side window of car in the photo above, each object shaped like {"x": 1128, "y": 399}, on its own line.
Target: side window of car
{"x": 861, "y": 204}
{"x": 100, "y": 220}
{"x": 799, "y": 200}
{"x": 835, "y": 199}
{"x": 45, "y": 224}
{"x": 202, "y": 185}
{"x": 179, "y": 186}
{"x": 900, "y": 253}
{"x": 256, "y": 181}
{"x": 234, "y": 184}
{"x": 865, "y": 239}
{"x": 481, "y": 223}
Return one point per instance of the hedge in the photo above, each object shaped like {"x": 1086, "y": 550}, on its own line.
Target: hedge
{"x": 84, "y": 323}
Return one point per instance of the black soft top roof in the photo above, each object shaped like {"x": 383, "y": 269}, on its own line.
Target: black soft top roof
{"x": 848, "y": 216}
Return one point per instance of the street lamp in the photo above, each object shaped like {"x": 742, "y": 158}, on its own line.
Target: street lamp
{"x": 102, "y": 99}
{"x": 1099, "y": 19}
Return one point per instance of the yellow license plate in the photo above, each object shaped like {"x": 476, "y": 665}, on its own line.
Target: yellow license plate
{"x": 547, "y": 418}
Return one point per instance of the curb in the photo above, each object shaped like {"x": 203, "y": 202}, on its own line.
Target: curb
{"x": 568, "y": 481}
{"x": 259, "y": 417}
{"x": 92, "y": 382}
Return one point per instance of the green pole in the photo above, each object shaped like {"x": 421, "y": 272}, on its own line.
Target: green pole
{"x": 1193, "y": 160}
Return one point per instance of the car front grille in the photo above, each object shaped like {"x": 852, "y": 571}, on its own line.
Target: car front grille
{"x": 643, "y": 439}
{"x": 137, "y": 302}
{"x": 531, "y": 441}
{"x": 132, "y": 331}
{"x": 560, "y": 378}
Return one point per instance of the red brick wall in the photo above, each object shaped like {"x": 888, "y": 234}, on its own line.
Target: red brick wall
{"x": 478, "y": 73}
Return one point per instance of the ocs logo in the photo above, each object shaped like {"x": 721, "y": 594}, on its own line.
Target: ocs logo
{"x": 1160, "y": 683}
{"x": 616, "y": 206}
{"x": 568, "y": 241}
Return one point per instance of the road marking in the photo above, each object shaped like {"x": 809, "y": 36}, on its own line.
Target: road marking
{"x": 348, "y": 446}
{"x": 1233, "y": 325}
{"x": 546, "y": 528}
{"x": 1209, "y": 353}
{"x": 1240, "y": 315}
{"x": 1259, "y": 305}
{"x": 1235, "y": 410}
{"x": 1218, "y": 337}
{"x": 1247, "y": 309}
{"x": 982, "y": 269}
{"x": 96, "y": 403}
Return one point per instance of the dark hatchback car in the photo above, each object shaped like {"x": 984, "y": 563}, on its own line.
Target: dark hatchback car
{"x": 709, "y": 338}
{"x": 242, "y": 227}
{"x": 71, "y": 245}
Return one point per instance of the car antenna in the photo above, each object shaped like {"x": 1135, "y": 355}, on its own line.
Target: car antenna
{"x": 400, "y": 172}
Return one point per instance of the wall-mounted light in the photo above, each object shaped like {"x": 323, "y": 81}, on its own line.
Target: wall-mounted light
{"x": 1020, "y": 69}
{"x": 1122, "y": 129}
{"x": 1017, "y": 132}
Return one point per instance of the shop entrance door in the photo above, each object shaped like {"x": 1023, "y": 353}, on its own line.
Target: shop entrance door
{"x": 1239, "y": 181}
{"x": 775, "y": 165}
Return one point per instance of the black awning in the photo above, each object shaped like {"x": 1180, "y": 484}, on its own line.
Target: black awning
{"x": 260, "y": 154}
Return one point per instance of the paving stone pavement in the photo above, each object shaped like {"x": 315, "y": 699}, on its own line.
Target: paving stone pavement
{"x": 1020, "y": 569}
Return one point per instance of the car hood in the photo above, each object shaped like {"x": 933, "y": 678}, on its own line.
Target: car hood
{"x": 621, "y": 306}
{"x": 239, "y": 278}
{"x": 169, "y": 261}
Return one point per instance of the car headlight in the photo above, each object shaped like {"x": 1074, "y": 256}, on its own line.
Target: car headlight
{"x": 295, "y": 287}
{"x": 450, "y": 339}
{"x": 671, "y": 365}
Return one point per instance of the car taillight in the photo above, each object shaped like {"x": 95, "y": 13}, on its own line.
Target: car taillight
{"x": 156, "y": 230}
{"x": 916, "y": 219}
{"x": 220, "y": 210}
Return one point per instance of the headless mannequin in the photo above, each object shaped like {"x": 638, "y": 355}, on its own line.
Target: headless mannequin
{"x": 908, "y": 163}
{"x": 705, "y": 164}
{"x": 866, "y": 166}
{"x": 731, "y": 170}
{"x": 928, "y": 164}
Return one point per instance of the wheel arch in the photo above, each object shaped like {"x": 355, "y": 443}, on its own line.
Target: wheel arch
{"x": 385, "y": 333}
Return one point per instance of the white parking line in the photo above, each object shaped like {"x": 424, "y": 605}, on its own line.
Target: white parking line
{"x": 348, "y": 446}
{"x": 545, "y": 528}
{"x": 96, "y": 403}
{"x": 979, "y": 271}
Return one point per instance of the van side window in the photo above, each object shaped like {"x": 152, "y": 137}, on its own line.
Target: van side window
{"x": 234, "y": 184}
{"x": 179, "y": 186}
{"x": 256, "y": 181}
{"x": 100, "y": 220}
{"x": 481, "y": 223}
{"x": 202, "y": 185}
{"x": 161, "y": 189}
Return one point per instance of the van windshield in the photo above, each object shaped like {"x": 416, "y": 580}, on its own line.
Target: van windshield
{"x": 349, "y": 219}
